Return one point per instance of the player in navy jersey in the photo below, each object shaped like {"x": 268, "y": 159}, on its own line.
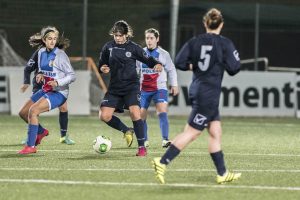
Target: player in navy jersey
{"x": 208, "y": 56}
{"x": 154, "y": 85}
{"x": 119, "y": 57}
{"x": 56, "y": 73}
{"x": 32, "y": 66}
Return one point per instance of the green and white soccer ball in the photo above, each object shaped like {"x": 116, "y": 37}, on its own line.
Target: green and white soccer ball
{"x": 102, "y": 144}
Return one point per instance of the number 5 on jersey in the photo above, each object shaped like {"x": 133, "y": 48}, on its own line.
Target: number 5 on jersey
{"x": 204, "y": 55}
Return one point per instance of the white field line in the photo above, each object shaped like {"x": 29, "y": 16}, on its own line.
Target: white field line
{"x": 149, "y": 170}
{"x": 158, "y": 152}
{"x": 186, "y": 185}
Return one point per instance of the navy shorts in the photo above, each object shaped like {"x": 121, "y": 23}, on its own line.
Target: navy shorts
{"x": 200, "y": 116}
{"x": 158, "y": 96}
{"x": 121, "y": 102}
{"x": 55, "y": 99}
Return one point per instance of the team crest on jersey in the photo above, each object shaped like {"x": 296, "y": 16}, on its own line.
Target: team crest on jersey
{"x": 51, "y": 63}
{"x": 199, "y": 119}
{"x": 128, "y": 54}
{"x": 30, "y": 62}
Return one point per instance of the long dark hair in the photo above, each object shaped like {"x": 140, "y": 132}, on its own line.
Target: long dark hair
{"x": 121, "y": 27}
{"x": 37, "y": 38}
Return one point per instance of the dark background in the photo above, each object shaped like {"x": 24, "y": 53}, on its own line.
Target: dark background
{"x": 279, "y": 35}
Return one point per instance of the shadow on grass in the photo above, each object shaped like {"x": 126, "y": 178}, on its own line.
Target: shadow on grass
{"x": 11, "y": 145}
{"x": 16, "y": 155}
{"x": 102, "y": 156}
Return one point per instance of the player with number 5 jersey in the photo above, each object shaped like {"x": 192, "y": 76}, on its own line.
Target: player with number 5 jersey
{"x": 208, "y": 55}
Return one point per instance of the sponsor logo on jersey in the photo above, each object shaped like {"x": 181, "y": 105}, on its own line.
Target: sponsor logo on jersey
{"x": 148, "y": 71}
{"x": 49, "y": 74}
{"x": 128, "y": 54}
{"x": 199, "y": 119}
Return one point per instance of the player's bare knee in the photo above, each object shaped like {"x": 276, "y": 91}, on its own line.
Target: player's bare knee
{"x": 104, "y": 117}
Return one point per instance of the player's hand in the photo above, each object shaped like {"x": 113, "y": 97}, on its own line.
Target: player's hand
{"x": 24, "y": 87}
{"x": 174, "y": 90}
{"x": 39, "y": 78}
{"x": 191, "y": 67}
{"x": 158, "y": 68}
{"x": 53, "y": 84}
{"x": 105, "y": 69}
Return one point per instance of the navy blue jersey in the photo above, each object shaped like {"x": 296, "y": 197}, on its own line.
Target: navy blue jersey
{"x": 32, "y": 66}
{"x": 210, "y": 55}
{"x": 121, "y": 58}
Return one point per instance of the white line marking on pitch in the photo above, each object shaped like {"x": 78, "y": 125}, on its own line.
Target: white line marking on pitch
{"x": 135, "y": 170}
{"x": 158, "y": 152}
{"x": 187, "y": 185}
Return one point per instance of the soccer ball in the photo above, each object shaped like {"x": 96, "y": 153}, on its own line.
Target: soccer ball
{"x": 102, "y": 144}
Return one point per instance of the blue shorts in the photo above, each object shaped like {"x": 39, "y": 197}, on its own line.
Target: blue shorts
{"x": 55, "y": 99}
{"x": 158, "y": 96}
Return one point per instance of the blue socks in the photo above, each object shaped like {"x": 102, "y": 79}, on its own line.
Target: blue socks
{"x": 63, "y": 122}
{"x": 116, "y": 123}
{"x": 164, "y": 125}
{"x": 218, "y": 159}
{"x": 139, "y": 131}
{"x": 32, "y": 133}
{"x": 170, "y": 154}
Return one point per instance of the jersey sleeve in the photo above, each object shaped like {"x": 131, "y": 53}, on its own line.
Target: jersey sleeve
{"x": 171, "y": 70}
{"x": 143, "y": 57}
{"x": 103, "y": 57}
{"x": 183, "y": 59}
{"x": 31, "y": 66}
{"x": 232, "y": 60}
{"x": 66, "y": 67}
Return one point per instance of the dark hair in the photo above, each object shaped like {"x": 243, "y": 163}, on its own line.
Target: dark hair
{"x": 37, "y": 39}
{"x": 152, "y": 30}
{"x": 121, "y": 27}
{"x": 213, "y": 18}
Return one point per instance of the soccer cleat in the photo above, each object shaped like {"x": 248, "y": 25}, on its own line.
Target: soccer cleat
{"x": 228, "y": 177}
{"x": 159, "y": 169}
{"x": 147, "y": 144}
{"x": 27, "y": 150}
{"x": 66, "y": 140}
{"x": 142, "y": 151}
{"x": 41, "y": 136}
{"x": 129, "y": 137}
{"x": 165, "y": 143}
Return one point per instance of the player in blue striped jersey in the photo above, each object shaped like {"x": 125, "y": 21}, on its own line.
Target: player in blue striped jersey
{"x": 56, "y": 73}
{"x": 208, "y": 56}
{"x": 32, "y": 66}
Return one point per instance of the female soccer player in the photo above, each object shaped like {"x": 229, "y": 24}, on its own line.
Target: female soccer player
{"x": 56, "y": 73}
{"x": 32, "y": 66}
{"x": 154, "y": 85}
{"x": 119, "y": 57}
{"x": 208, "y": 56}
